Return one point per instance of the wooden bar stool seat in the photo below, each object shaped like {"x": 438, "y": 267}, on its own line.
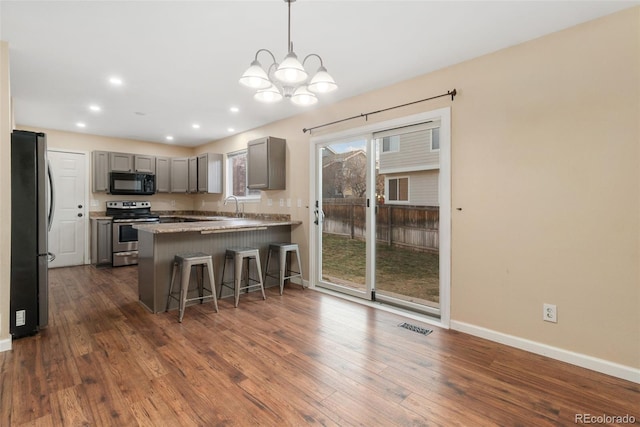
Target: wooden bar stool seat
{"x": 284, "y": 251}
{"x": 241, "y": 257}
{"x": 185, "y": 262}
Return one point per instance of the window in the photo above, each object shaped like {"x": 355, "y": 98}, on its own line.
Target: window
{"x": 435, "y": 139}
{"x": 391, "y": 143}
{"x": 398, "y": 189}
{"x": 237, "y": 176}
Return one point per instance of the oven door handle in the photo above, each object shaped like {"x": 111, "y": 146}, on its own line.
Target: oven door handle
{"x": 134, "y": 254}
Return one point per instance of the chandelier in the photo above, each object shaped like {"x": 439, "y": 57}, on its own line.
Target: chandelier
{"x": 288, "y": 79}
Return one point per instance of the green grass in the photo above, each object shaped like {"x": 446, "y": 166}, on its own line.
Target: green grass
{"x": 411, "y": 274}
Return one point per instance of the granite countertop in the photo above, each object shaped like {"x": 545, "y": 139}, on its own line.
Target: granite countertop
{"x": 217, "y": 225}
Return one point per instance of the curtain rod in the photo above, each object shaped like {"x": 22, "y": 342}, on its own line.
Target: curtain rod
{"x": 451, "y": 93}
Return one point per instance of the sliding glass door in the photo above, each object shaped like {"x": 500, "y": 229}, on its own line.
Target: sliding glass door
{"x": 341, "y": 216}
{"x": 381, "y": 210}
{"x": 407, "y": 258}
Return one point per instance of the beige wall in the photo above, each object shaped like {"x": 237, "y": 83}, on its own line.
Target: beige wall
{"x": 5, "y": 192}
{"x": 545, "y": 166}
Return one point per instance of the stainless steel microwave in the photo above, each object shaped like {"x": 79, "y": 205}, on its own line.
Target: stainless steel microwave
{"x": 132, "y": 183}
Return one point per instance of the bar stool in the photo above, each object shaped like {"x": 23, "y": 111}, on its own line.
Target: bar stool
{"x": 284, "y": 250}
{"x": 185, "y": 262}
{"x": 238, "y": 256}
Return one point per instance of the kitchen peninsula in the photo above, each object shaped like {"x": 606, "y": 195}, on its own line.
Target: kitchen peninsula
{"x": 159, "y": 243}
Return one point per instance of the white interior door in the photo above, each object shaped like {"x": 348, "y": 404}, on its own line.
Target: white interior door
{"x": 67, "y": 237}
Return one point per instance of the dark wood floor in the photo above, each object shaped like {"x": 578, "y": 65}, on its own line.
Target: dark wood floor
{"x": 301, "y": 359}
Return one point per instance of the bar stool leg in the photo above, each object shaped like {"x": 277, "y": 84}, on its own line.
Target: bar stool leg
{"x": 237, "y": 278}
{"x": 200, "y": 280}
{"x": 299, "y": 267}
{"x": 173, "y": 278}
{"x": 212, "y": 283}
{"x": 184, "y": 288}
{"x": 282, "y": 257}
{"x": 259, "y": 269}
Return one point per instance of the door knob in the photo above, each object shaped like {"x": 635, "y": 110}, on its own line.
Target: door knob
{"x": 79, "y": 215}
{"x": 79, "y": 206}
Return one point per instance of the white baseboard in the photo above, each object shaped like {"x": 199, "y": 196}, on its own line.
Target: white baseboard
{"x": 5, "y": 345}
{"x": 599, "y": 365}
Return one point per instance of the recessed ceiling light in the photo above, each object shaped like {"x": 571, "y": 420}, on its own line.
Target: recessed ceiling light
{"x": 195, "y": 126}
{"x": 234, "y": 109}
{"x": 95, "y": 108}
{"x": 81, "y": 125}
{"x": 140, "y": 113}
{"x": 169, "y": 138}
{"x": 115, "y": 81}
{"x": 231, "y": 130}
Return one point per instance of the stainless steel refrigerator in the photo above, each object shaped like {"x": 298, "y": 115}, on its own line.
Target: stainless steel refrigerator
{"x": 31, "y": 191}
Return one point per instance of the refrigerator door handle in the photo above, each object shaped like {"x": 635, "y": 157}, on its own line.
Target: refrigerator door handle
{"x": 52, "y": 200}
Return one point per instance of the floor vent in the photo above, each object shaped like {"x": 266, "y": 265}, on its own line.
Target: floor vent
{"x": 415, "y": 328}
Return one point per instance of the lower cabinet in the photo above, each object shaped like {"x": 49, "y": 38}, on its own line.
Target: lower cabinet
{"x": 101, "y": 238}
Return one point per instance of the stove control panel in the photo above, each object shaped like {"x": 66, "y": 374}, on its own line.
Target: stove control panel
{"x": 128, "y": 204}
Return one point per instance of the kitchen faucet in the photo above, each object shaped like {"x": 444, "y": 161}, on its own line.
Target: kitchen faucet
{"x": 236, "y": 199}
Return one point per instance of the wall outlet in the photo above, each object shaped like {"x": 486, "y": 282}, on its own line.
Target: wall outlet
{"x": 288, "y": 203}
{"x": 299, "y": 203}
{"x": 20, "y": 317}
{"x": 282, "y": 203}
{"x": 173, "y": 203}
{"x": 550, "y": 313}
{"x": 269, "y": 202}
{"x": 94, "y": 203}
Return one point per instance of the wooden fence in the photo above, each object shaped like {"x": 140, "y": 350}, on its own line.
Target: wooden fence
{"x": 414, "y": 227}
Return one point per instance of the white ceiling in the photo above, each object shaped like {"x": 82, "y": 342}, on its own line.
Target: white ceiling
{"x": 181, "y": 60}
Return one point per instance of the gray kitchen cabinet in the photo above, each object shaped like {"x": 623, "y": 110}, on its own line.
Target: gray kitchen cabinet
{"x": 210, "y": 173}
{"x": 101, "y": 237}
{"x": 179, "y": 174}
{"x": 100, "y": 160}
{"x": 120, "y": 162}
{"x": 266, "y": 159}
{"x": 193, "y": 174}
{"x": 163, "y": 174}
{"x": 144, "y": 164}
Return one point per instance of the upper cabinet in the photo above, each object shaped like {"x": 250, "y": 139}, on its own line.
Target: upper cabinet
{"x": 210, "y": 173}
{"x": 100, "y": 171}
{"x": 179, "y": 174}
{"x": 266, "y": 158}
{"x": 193, "y": 174}
{"x": 120, "y": 162}
{"x": 163, "y": 174}
{"x": 125, "y": 162}
{"x": 201, "y": 174}
{"x": 144, "y": 164}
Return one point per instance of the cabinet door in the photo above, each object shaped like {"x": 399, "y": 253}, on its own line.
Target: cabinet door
{"x": 145, "y": 164}
{"x": 257, "y": 164}
{"x": 104, "y": 241}
{"x": 193, "y": 174}
{"x": 266, "y": 164}
{"x": 179, "y": 174}
{"x": 210, "y": 173}
{"x": 120, "y": 162}
{"x": 100, "y": 171}
{"x": 163, "y": 174}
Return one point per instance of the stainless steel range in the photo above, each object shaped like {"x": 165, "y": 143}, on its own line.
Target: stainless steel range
{"x": 126, "y": 214}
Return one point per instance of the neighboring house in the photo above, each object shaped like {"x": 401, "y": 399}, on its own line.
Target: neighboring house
{"x": 343, "y": 174}
{"x": 410, "y": 165}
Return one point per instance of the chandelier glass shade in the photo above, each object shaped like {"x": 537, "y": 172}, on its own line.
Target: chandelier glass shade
{"x": 287, "y": 79}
